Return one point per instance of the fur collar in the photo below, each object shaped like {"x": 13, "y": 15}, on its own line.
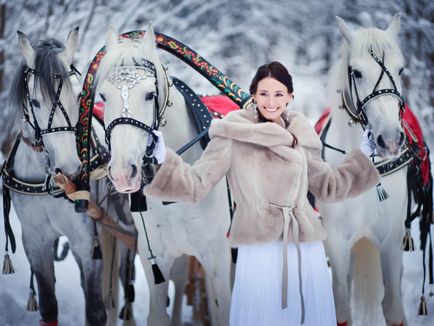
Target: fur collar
{"x": 240, "y": 125}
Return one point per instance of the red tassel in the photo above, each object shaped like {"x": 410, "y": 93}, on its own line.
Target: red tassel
{"x": 344, "y": 323}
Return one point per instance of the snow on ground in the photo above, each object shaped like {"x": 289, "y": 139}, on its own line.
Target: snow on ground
{"x": 14, "y": 290}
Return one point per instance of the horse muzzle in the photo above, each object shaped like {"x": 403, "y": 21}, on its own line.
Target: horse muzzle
{"x": 390, "y": 146}
{"x": 125, "y": 180}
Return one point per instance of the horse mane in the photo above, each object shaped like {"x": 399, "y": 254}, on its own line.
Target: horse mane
{"x": 364, "y": 40}
{"x": 47, "y": 64}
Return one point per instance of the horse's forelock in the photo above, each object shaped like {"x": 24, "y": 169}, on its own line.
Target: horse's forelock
{"x": 127, "y": 53}
{"x": 379, "y": 41}
{"x": 47, "y": 64}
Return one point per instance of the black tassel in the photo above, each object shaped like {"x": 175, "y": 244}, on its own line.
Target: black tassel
{"x": 32, "y": 304}
{"x": 381, "y": 192}
{"x": 109, "y": 301}
{"x": 97, "y": 253}
{"x": 407, "y": 241}
{"x": 131, "y": 293}
{"x": 138, "y": 202}
{"x": 431, "y": 293}
{"x": 158, "y": 276}
{"x": 126, "y": 313}
{"x": 422, "y": 307}
{"x": 8, "y": 268}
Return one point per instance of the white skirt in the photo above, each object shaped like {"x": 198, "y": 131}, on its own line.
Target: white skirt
{"x": 256, "y": 297}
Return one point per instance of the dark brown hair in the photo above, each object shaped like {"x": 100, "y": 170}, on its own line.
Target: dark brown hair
{"x": 275, "y": 70}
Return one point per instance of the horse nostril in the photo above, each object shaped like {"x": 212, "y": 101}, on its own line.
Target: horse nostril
{"x": 380, "y": 141}
{"x": 57, "y": 170}
{"x": 133, "y": 170}
{"x": 401, "y": 138}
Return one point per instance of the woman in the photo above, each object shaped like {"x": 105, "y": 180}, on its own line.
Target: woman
{"x": 271, "y": 157}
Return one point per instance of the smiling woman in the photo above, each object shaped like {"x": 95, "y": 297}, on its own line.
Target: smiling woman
{"x": 272, "y": 91}
{"x": 271, "y": 157}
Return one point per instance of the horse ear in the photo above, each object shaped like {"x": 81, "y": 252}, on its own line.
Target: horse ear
{"x": 71, "y": 44}
{"x": 111, "y": 38}
{"x": 395, "y": 25}
{"x": 26, "y": 49}
{"x": 345, "y": 30}
{"x": 149, "y": 38}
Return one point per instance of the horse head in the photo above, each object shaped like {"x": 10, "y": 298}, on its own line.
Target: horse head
{"x": 371, "y": 89}
{"x": 44, "y": 95}
{"x": 131, "y": 82}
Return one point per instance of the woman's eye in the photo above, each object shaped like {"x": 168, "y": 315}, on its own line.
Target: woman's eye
{"x": 357, "y": 74}
{"x": 102, "y": 97}
{"x": 36, "y": 103}
{"x": 400, "y": 71}
{"x": 149, "y": 96}
{"x": 263, "y": 94}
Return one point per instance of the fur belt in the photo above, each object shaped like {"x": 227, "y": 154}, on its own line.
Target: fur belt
{"x": 288, "y": 217}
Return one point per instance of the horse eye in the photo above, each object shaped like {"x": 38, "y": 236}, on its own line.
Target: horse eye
{"x": 102, "y": 97}
{"x": 149, "y": 96}
{"x": 357, "y": 74}
{"x": 400, "y": 71}
{"x": 36, "y": 103}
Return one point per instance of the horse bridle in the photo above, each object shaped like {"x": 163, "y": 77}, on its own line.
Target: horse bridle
{"x": 56, "y": 103}
{"x": 129, "y": 74}
{"x": 359, "y": 114}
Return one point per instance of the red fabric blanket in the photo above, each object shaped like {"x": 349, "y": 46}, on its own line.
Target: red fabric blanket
{"x": 219, "y": 105}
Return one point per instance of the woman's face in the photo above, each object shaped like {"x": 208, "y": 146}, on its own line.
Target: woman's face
{"x": 271, "y": 98}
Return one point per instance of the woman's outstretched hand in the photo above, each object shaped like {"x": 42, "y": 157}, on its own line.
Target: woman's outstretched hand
{"x": 160, "y": 149}
{"x": 367, "y": 146}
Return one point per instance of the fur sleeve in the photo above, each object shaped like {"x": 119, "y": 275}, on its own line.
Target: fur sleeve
{"x": 354, "y": 176}
{"x": 176, "y": 180}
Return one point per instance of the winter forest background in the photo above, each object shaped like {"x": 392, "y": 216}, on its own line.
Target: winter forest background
{"x": 236, "y": 36}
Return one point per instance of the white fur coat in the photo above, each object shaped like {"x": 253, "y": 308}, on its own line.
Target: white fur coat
{"x": 263, "y": 168}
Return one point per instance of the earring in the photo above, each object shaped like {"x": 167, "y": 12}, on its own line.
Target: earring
{"x": 255, "y": 110}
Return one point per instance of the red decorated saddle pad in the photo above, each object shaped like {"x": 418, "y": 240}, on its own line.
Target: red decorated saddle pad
{"x": 412, "y": 130}
{"x": 219, "y": 105}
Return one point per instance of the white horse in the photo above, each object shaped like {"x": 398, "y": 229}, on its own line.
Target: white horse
{"x": 366, "y": 88}
{"x": 44, "y": 94}
{"x": 133, "y": 84}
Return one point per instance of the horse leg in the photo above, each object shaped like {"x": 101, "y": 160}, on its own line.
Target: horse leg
{"x": 91, "y": 273}
{"x": 218, "y": 280}
{"x": 179, "y": 275}
{"x": 391, "y": 262}
{"x": 110, "y": 253}
{"x": 339, "y": 254}
{"x": 127, "y": 274}
{"x": 39, "y": 251}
